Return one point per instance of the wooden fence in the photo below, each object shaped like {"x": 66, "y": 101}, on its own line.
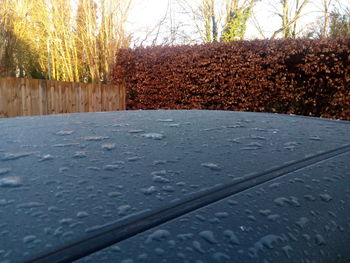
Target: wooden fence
{"x": 27, "y": 97}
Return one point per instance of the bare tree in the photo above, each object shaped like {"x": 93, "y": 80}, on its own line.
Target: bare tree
{"x": 204, "y": 18}
{"x": 326, "y": 13}
{"x": 292, "y": 11}
{"x": 170, "y": 29}
{"x": 223, "y": 20}
{"x": 333, "y": 20}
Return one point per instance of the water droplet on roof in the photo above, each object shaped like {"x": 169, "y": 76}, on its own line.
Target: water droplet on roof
{"x": 154, "y": 136}
{"x": 114, "y": 194}
{"x": 168, "y": 188}
{"x": 158, "y": 162}
{"x": 135, "y": 131}
{"x": 159, "y": 251}
{"x": 267, "y": 241}
{"x": 174, "y": 125}
{"x": 184, "y": 237}
{"x": 64, "y": 133}
{"x": 111, "y": 167}
{"x": 14, "y": 155}
{"x": 253, "y": 146}
{"x": 325, "y": 197}
{"x": 148, "y": 190}
{"x": 65, "y": 221}
{"x": 54, "y": 209}
{"x": 315, "y": 138}
{"x": 165, "y": 120}
{"x": 67, "y": 234}
{"x": 161, "y": 172}
{"x": 4, "y": 202}
{"x": 211, "y": 166}
{"x": 302, "y": 222}
{"x": 79, "y": 154}
{"x": 319, "y": 239}
{"x": 265, "y": 212}
{"x": 142, "y": 257}
{"x": 115, "y": 248}
{"x": 62, "y": 145}
{"x": 274, "y": 185}
{"x": 208, "y": 236}
{"x": 287, "y": 250}
{"x": 46, "y": 157}
{"x": 259, "y": 138}
{"x": 232, "y": 202}
{"x": 133, "y": 159}
{"x": 158, "y": 235}
{"x": 82, "y": 214}
{"x": 94, "y": 138}
{"x": 309, "y": 197}
{"x": 29, "y": 205}
{"x": 231, "y": 237}
{"x": 198, "y": 246}
{"x": 221, "y": 257}
{"x": 123, "y": 210}
{"x": 235, "y": 140}
{"x": 252, "y": 218}
{"x": 29, "y": 239}
{"x": 108, "y": 146}
{"x": 233, "y": 126}
{"x": 290, "y": 145}
{"x": 281, "y": 201}
{"x": 13, "y": 181}
{"x": 160, "y": 179}
{"x": 221, "y": 214}
{"x": 4, "y": 171}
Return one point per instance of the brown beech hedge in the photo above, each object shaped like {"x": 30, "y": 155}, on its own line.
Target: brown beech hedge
{"x": 306, "y": 77}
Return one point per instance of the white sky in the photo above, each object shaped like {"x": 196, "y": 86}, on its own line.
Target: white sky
{"x": 145, "y": 14}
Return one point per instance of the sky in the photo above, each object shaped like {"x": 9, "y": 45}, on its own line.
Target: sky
{"x": 145, "y": 14}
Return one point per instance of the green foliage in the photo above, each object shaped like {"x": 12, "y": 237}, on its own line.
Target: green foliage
{"x": 236, "y": 25}
{"x": 339, "y": 25}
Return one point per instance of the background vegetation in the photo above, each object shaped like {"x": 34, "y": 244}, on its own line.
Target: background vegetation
{"x": 76, "y": 40}
{"x": 62, "y": 39}
{"x": 302, "y": 76}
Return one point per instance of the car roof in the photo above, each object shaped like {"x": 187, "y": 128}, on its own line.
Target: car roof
{"x": 76, "y": 184}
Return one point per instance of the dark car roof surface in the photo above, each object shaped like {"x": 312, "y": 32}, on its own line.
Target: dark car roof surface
{"x": 174, "y": 186}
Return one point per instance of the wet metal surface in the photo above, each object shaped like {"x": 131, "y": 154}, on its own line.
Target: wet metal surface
{"x": 66, "y": 178}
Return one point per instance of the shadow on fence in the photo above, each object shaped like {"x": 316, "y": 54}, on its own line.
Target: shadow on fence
{"x": 27, "y": 97}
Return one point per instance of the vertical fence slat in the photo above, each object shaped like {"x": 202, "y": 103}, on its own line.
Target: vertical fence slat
{"x": 89, "y": 96}
{"x": 104, "y": 102}
{"x": 3, "y": 99}
{"x": 50, "y": 101}
{"x": 43, "y": 97}
{"x": 122, "y": 97}
{"x": 35, "y": 100}
{"x": 26, "y": 97}
{"x": 113, "y": 98}
{"x": 76, "y": 88}
{"x": 9, "y": 98}
{"x": 12, "y": 100}
{"x": 24, "y": 103}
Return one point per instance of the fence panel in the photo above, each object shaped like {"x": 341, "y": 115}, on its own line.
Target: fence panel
{"x": 27, "y": 97}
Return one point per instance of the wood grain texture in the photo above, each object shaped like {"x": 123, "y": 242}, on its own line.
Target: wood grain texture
{"x": 29, "y": 97}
